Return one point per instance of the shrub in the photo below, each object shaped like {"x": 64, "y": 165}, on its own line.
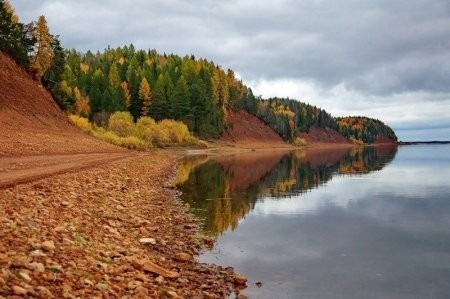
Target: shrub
{"x": 145, "y": 128}
{"x": 177, "y": 132}
{"x": 82, "y": 123}
{"x": 130, "y": 142}
{"x": 122, "y": 124}
{"x": 300, "y": 141}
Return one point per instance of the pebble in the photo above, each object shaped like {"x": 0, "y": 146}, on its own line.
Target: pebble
{"x": 145, "y": 241}
{"x": 101, "y": 286}
{"x": 44, "y": 292}
{"x": 159, "y": 279}
{"x": 240, "y": 279}
{"x": 183, "y": 257}
{"x": 19, "y": 291}
{"x": 38, "y": 267}
{"x": 48, "y": 246}
{"x": 37, "y": 253}
{"x": 141, "y": 292}
{"x": 25, "y": 276}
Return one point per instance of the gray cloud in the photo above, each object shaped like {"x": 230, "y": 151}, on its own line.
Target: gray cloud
{"x": 377, "y": 49}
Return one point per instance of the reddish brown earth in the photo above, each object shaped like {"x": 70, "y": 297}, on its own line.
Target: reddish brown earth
{"x": 247, "y": 131}
{"x": 31, "y": 122}
{"x": 80, "y": 218}
{"x": 383, "y": 139}
{"x": 324, "y": 136}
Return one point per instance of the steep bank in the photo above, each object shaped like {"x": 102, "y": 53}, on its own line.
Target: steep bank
{"x": 247, "y": 131}
{"x": 326, "y": 136}
{"x": 32, "y": 123}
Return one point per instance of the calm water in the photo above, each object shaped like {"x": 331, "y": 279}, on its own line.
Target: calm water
{"x": 328, "y": 224}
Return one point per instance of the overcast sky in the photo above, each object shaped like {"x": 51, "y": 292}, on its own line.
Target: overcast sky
{"x": 384, "y": 59}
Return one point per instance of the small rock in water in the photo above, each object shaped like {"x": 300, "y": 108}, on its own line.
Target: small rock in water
{"x": 145, "y": 241}
{"x": 183, "y": 257}
{"x": 240, "y": 279}
{"x": 259, "y": 284}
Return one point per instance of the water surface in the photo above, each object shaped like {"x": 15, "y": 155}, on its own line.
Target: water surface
{"x": 372, "y": 223}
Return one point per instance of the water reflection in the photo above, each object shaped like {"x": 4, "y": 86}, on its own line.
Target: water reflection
{"x": 223, "y": 190}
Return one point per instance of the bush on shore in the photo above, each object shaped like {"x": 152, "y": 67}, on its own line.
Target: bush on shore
{"x": 145, "y": 134}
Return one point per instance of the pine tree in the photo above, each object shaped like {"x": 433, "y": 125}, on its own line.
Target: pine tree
{"x": 181, "y": 109}
{"x": 145, "y": 96}
{"x": 42, "y": 60}
{"x": 14, "y": 38}
{"x": 53, "y": 75}
{"x": 162, "y": 97}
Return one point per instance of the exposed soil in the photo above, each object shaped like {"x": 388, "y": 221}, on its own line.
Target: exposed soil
{"x": 14, "y": 170}
{"x": 319, "y": 136}
{"x": 383, "y": 139}
{"x": 31, "y": 122}
{"x": 247, "y": 131}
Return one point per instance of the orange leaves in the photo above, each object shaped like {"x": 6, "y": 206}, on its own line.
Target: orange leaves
{"x": 82, "y": 105}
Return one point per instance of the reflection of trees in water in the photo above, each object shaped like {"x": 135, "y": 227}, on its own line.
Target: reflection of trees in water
{"x": 222, "y": 191}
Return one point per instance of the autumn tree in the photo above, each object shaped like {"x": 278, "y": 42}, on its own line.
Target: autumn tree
{"x": 82, "y": 107}
{"x": 42, "y": 59}
{"x": 145, "y": 96}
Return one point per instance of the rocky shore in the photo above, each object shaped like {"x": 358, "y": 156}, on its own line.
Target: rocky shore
{"x": 113, "y": 231}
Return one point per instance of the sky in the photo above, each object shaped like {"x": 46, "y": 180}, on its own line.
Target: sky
{"x": 379, "y": 58}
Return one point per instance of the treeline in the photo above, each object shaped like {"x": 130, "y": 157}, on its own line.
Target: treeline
{"x": 290, "y": 117}
{"x": 196, "y": 92}
{"x": 364, "y": 129}
{"x": 145, "y": 83}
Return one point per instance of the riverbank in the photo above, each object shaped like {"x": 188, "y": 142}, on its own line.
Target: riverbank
{"x": 115, "y": 230}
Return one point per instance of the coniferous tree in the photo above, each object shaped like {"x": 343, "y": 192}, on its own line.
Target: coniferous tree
{"x": 181, "y": 101}
{"x": 43, "y": 57}
{"x": 145, "y": 96}
{"x": 15, "y": 39}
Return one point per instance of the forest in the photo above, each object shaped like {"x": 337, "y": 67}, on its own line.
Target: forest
{"x": 145, "y": 83}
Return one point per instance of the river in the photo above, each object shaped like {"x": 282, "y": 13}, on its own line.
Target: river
{"x": 345, "y": 223}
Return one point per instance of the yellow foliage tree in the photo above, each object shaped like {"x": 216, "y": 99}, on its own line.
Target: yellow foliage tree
{"x": 145, "y": 96}
{"x": 8, "y": 7}
{"x": 42, "y": 59}
{"x": 82, "y": 105}
{"x": 84, "y": 67}
{"x": 126, "y": 90}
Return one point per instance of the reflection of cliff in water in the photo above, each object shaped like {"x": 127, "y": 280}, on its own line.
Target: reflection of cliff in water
{"x": 222, "y": 190}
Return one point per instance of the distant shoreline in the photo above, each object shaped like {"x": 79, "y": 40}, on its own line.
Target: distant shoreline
{"x": 422, "y": 142}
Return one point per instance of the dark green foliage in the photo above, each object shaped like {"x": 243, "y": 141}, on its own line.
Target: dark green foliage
{"x": 16, "y": 39}
{"x": 182, "y": 88}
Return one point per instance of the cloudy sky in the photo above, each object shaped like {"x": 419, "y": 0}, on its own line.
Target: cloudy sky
{"x": 380, "y": 58}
